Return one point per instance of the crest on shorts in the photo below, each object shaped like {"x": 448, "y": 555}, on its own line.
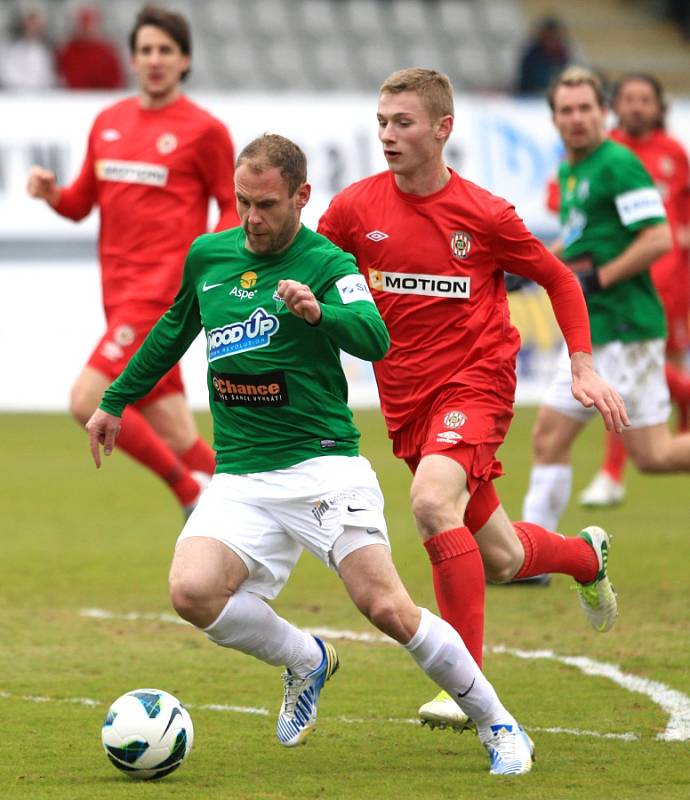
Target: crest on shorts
{"x": 454, "y": 419}
{"x": 460, "y": 244}
{"x": 166, "y": 143}
{"x": 124, "y": 335}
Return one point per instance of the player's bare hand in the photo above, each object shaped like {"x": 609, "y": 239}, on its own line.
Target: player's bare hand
{"x": 41, "y": 183}
{"x": 103, "y": 429}
{"x": 300, "y": 301}
{"x": 590, "y": 389}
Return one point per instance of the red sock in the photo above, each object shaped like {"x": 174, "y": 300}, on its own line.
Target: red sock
{"x": 615, "y": 456}
{"x": 546, "y": 551}
{"x": 683, "y": 417}
{"x": 138, "y": 439}
{"x": 200, "y": 457}
{"x": 459, "y": 585}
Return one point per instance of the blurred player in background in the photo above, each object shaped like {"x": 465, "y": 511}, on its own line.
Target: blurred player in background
{"x": 613, "y": 229}
{"x": 434, "y": 248}
{"x": 289, "y": 475}
{"x": 638, "y": 101}
{"x": 152, "y": 164}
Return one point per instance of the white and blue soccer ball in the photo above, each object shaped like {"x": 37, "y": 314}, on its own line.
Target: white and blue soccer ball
{"x": 147, "y": 733}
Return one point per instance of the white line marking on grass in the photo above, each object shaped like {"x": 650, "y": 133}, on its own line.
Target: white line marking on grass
{"x": 674, "y": 703}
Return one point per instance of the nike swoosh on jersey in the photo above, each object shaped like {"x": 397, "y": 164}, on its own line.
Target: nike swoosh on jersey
{"x": 207, "y": 286}
{"x": 351, "y": 510}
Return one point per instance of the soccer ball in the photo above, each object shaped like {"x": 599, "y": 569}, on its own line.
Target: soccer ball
{"x": 147, "y": 733}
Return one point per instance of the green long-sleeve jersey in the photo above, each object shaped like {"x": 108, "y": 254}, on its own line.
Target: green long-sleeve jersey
{"x": 277, "y": 391}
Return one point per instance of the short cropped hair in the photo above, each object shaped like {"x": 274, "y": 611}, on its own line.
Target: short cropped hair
{"x": 272, "y": 150}
{"x": 577, "y": 76}
{"x": 170, "y": 22}
{"x": 653, "y": 82}
{"x": 434, "y": 88}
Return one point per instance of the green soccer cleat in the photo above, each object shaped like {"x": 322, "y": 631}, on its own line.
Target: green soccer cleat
{"x": 443, "y": 712}
{"x": 598, "y": 599}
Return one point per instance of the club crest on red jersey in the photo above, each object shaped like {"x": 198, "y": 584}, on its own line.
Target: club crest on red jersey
{"x": 460, "y": 244}
{"x": 166, "y": 143}
{"x": 454, "y": 419}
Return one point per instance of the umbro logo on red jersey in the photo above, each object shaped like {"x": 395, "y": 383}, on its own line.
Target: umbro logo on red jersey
{"x": 377, "y": 236}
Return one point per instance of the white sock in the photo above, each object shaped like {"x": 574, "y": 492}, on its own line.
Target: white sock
{"x": 441, "y": 653}
{"x": 250, "y": 625}
{"x": 548, "y": 494}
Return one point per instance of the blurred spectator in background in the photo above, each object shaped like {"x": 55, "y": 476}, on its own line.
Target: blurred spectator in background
{"x": 544, "y": 56}
{"x": 88, "y": 60}
{"x": 27, "y": 60}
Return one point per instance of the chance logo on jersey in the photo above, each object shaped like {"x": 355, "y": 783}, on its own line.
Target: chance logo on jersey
{"x": 264, "y": 389}
{"x": 237, "y": 337}
{"x": 427, "y": 285}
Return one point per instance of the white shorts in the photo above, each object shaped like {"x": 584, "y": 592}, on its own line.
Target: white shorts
{"x": 634, "y": 369}
{"x": 330, "y": 506}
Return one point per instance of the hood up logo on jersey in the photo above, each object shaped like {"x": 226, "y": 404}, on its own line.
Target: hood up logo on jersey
{"x": 461, "y": 244}
{"x": 166, "y": 143}
{"x": 238, "y": 337}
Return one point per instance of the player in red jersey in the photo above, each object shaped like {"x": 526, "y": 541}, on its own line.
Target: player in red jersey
{"x": 152, "y": 164}
{"x": 434, "y": 248}
{"x": 638, "y": 101}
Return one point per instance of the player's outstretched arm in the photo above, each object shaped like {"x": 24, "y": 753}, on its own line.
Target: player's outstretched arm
{"x": 103, "y": 429}
{"x": 592, "y": 390}
{"x": 42, "y": 184}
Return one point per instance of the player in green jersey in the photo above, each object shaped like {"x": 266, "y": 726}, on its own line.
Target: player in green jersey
{"x": 277, "y": 303}
{"x": 613, "y": 228}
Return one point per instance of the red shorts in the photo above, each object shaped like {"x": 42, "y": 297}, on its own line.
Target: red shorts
{"x": 463, "y": 424}
{"x": 678, "y": 323}
{"x": 671, "y": 276}
{"x": 127, "y": 329}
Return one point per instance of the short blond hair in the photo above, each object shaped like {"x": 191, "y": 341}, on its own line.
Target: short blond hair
{"x": 577, "y": 76}
{"x": 434, "y": 88}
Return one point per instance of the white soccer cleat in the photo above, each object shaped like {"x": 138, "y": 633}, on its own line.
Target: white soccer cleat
{"x": 602, "y": 492}
{"x": 443, "y": 712}
{"x": 297, "y": 717}
{"x": 598, "y": 598}
{"x": 510, "y": 750}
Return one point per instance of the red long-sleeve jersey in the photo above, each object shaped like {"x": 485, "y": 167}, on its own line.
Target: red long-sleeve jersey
{"x": 435, "y": 267}
{"x": 152, "y": 173}
{"x": 667, "y": 163}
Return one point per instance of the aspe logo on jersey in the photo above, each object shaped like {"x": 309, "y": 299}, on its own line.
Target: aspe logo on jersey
{"x": 166, "y": 143}
{"x": 139, "y": 172}
{"x": 461, "y": 244}
{"x": 246, "y": 290}
{"x": 238, "y": 337}
{"x": 426, "y": 285}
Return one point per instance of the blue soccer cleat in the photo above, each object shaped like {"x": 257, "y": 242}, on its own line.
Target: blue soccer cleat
{"x": 297, "y": 717}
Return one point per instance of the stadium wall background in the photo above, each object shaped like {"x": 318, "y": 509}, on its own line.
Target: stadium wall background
{"x": 50, "y": 314}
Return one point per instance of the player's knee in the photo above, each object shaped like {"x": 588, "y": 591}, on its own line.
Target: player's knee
{"x": 384, "y": 614}
{"x": 649, "y": 463}
{"x": 501, "y": 567}
{"x": 192, "y": 599}
{"x": 430, "y": 511}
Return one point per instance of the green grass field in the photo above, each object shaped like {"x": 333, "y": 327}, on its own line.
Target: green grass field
{"x": 75, "y": 539}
